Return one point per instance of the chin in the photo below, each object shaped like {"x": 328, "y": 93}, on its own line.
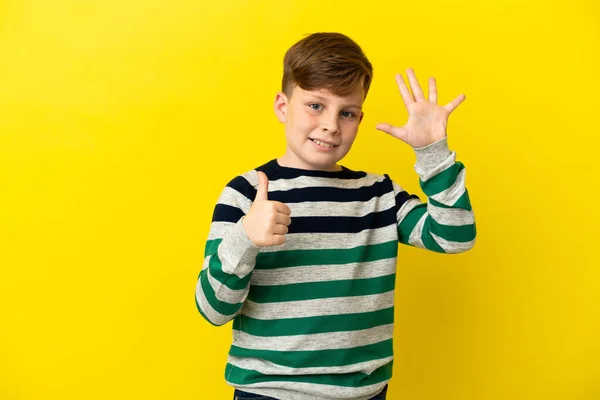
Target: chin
{"x": 324, "y": 164}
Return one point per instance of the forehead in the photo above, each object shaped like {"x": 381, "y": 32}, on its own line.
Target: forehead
{"x": 353, "y": 98}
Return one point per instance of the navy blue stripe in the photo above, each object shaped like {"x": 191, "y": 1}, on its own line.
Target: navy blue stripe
{"x": 365, "y": 193}
{"x": 240, "y": 184}
{"x": 403, "y": 197}
{"x": 225, "y": 213}
{"x": 342, "y": 224}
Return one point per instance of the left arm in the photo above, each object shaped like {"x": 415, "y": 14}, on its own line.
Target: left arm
{"x": 445, "y": 223}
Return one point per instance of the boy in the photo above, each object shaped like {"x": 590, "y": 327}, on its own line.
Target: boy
{"x": 302, "y": 252}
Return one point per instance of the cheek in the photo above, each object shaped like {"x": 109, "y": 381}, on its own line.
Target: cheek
{"x": 350, "y": 130}
{"x": 305, "y": 124}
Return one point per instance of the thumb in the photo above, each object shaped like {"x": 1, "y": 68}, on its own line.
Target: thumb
{"x": 263, "y": 187}
{"x": 397, "y": 132}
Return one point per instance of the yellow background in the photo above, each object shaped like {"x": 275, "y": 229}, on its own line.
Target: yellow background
{"x": 121, "y": 121}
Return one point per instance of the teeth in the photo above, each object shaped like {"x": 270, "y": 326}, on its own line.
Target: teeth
{"x": 322, "y": 144}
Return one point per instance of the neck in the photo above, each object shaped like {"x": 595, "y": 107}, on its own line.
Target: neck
{"x": 290, "y": 161}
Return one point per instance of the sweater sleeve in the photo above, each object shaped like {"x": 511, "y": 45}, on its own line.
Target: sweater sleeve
{"x": 446, "y": 223}
{"x": 230, "y": 255}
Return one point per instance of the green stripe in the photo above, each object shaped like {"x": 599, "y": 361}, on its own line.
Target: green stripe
{"x": 407, "y": 225}
{"x": 319, "y": 358}
{"x": 292, "y": 258}
{"x": 463, "y": 202}
{"x": 211, "y": 246}
{"x": 441, "y": 181}
{"x": 295, "y": 258}
{"x": 461, "y": 233}
{"x": 308, "y": 325}
{"x": 219, "y": 306}
{"x": 242, "y": 376}
{"x": 202, "y": 313}
{"x": 429, "y": 242}
{"x": 232, "y": 281}
{"x": 322, "y": 290}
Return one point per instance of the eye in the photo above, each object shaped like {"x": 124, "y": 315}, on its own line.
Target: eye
{"x": 348, "y": 114}
{"x": 315, "y": 106}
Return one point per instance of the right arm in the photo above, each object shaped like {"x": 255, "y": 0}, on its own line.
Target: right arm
{"x": 244, "y": 220}
{"x": 229, "y": 258}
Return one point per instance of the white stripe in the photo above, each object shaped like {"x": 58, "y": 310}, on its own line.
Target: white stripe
{"x": 406, "y": 208}
{"x": 451, "y": 216}
{"x": 252, "y": 177}
{"x": 304, "y": 241}
{"x": 453, "y": 247}
{"x": 308, "y": 391}
{"x": 315, "y": 241}
{"x": 453, "y": 193}
{"x": 233, "y": 198}
{"x": 438, "y": 169}
{"x": 317, "y": 341}
{"x": 206, "y": 263}
{"x": 312, "y": 181}
{"x": 219, "y": 229}
{"x": 318, "y": 307}
{"x": 213, "y": 316}
{"x": 224, "y": 293}
{"x": 320, "y": 273}
{"x": 342, "y": 209}
{"x": 269, "y": 368}
{"x": 237, "y": 253}
{"x": 415, "y": 235}
{"x": 397, "y": 188}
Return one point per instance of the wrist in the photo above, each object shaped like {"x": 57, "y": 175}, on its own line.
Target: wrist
{"x": 432, "y": 155}
{"x": 245, "y": 231}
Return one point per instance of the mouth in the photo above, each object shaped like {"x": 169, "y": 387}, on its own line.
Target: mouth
{"x": 323, "y": 144}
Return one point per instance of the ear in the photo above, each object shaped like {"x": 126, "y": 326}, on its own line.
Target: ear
{"x": 280, "y": 106}
{"x": 362, "y": 114}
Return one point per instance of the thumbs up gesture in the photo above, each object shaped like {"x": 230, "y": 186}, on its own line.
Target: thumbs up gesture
{"x": 267, "y": 221}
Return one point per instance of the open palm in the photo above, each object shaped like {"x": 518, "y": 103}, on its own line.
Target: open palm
{"x": 427, "y": 120}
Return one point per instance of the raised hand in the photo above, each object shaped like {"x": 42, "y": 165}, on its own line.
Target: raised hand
{"x": 427, "y": 120}
{"x": 267, "y": 221}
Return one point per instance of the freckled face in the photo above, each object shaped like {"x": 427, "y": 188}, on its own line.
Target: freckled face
{"x": 320, "y": 127}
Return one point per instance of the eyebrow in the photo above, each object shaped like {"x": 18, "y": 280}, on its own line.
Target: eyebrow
{"x": 348, "y": 105}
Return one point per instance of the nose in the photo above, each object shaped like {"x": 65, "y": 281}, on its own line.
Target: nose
{"x": 330, "y": 124}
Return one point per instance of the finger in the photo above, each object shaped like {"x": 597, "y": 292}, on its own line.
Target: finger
{"x": 404, "y": 92}
{"x": 433, "y": 96}
{"x": 282, "y": 208}
{"x": 455, "y": 103}
{"x": 278, "y": 240}
{"x": 397, "y": 132}
{"x": 283, "y": 219}
{"x": 262, "y": 193}
{"x": 414, "y": 85}
{"x": 280, "y": 229}
{"x": 387, "y": 128}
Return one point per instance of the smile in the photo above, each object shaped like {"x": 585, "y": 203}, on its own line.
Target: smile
{"x": 323, "y": 144}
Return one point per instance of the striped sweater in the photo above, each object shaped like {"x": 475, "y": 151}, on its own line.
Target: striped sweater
{"x": 313, "y": 318}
